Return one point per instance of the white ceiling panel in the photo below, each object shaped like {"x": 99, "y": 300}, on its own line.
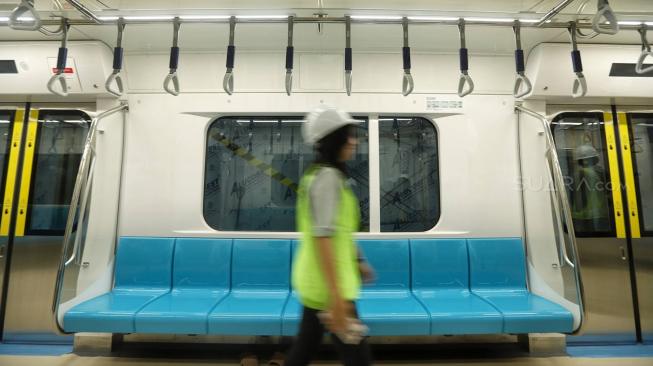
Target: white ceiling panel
{"x": 368, "y": 37}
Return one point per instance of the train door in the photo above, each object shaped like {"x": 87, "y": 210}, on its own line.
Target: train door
{"x": 42, "y": 149}
{"x": 636, "y": 140}
{"x": 606, "y": 195}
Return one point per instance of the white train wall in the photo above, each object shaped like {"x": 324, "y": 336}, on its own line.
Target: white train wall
{"x": 479, "y": 137}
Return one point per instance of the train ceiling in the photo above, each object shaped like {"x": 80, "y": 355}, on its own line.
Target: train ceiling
{"x": 365, "y": 37}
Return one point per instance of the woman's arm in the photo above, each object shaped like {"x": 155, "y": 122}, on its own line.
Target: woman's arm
{"x": 337, "y": 305}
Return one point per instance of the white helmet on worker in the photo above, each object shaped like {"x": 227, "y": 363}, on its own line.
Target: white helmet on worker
{"x": 324, "y": 120}
{"x": 585, "y": 151}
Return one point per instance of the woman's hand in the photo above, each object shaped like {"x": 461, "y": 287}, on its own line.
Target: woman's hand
{"x": 367, "y": 272}
{"x": 338, "y": 311}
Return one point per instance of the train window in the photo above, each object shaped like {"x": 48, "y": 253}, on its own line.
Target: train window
{"x": 410, "y": 189}
{"x": 642, "y": 135}
{"x": 59, "y": 146}
{"x": 580, "y": 143}
{"x": 253, "y": 166}
{"x": 6, "y": 117}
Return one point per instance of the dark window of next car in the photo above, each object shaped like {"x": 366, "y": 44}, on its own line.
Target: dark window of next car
{"x": 582, "y": 151}
{"x": 59, "y": 146}
{"x": 253, "y": 167}
{"x": 410, "y": 189}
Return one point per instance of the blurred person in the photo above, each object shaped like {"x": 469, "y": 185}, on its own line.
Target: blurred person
{"x": 328, "y": 269}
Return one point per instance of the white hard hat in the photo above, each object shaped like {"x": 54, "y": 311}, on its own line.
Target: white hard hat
{"x": 585, "y": 152}
{"x": 324, "y": 120}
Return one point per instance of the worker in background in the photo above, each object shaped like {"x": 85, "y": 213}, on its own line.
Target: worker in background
{"x": 328, "y": 268}
{"x": 590, "y": 207}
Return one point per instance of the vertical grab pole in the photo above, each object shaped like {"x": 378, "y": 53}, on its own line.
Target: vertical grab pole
{"x": 82, "y": 180}
{"x": 563, "y": 205}
{"x": 464, "y": 79}
{"x": 117, "y": 64}
{"x": 59, "y": 75}
{"x": 407, "y": 83}
{"x": 290, "y": 56}
{"x": 174, "y": 61}
{"x": 520, "y": 66}
{"x": 348, "y": 55}
{"x": 228, "y": 80}
{"x": 580, "y": 84}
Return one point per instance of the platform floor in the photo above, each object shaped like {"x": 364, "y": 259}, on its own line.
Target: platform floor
{"x": 75, "y": 360}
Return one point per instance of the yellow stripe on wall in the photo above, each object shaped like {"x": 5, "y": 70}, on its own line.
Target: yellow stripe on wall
{"x": 26, "y": 177}
{"x": 12, "y": 170}
{"x": 615, "y": 179}
{"x": 627, "y": 159}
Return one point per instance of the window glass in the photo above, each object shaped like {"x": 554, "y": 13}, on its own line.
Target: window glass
{"x": 59, "y": 146}
{"x": 581, "y": 147}
{"x": 642, "y": 148}
{"x": 6, "y": 118}
{"x": 410, "y": 189}
{"x": 253, "y": 167}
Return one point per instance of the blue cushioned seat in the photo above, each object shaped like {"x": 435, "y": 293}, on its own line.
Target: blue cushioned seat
{"x": 387, "y": 306}
{"x": 498, "y": 275}
{"x": 441, "y": 283}
{"x": 260, "y": 285}
{"x": 200, "y": 279}
{"x": 142, "y": 274}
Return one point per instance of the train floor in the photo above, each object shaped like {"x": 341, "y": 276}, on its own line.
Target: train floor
{"x": 454, "y": 355}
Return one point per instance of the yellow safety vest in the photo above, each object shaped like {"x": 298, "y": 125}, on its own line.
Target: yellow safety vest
{"x": 308, "y": 278}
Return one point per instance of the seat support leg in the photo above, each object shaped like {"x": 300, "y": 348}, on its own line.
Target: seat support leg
{"x": 544, "y": 343}
{"x": 96, "y": 343}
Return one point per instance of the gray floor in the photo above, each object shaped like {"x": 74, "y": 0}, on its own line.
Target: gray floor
{"x": 75, "y": 360}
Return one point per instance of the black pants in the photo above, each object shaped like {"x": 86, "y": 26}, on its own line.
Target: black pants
{"x": 309, "y": 338}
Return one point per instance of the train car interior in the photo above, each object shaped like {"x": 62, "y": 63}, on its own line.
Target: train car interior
{"x": 151, "y": 154}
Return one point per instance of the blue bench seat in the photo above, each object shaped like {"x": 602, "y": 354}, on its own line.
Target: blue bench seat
{"x": 142, "y": 274}
{"x": 387, "y": 306}
{"x": 201, "y": 279}
{"x": 242, "y": 287}
{"x": 441, "y": 282}
{"x": 260, "y": 287}
{"x": 498, "y": 275}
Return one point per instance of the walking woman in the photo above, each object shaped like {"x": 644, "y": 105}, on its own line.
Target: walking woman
{"x": 327, "y": 270}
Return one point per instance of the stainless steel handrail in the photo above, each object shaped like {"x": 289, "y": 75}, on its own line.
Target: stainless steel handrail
{"x": 325, "y": 20}
{"x": 82, "y": 184}
{"x": 554, "y": 11}
{"x": 564, "y": 206}
{"x": 86, "y": 12}
{"x": 86, "y": 189}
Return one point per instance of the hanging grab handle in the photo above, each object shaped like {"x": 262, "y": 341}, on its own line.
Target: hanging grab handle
{"x": 18, "y": 20}
{"x": 228, "y": 80}
{"x": 465, "y": 79}
{"x": 117, "y": 64}
{"x": 174, "y": 61}
{"x": 521, "y": 80}
{"x": 407, "y": 83}
{"x": 646, "y": 51}
{"x": 605, "y": 11}
{"x": 580, "y": 84}
{"x": 290, "y": 56}
{"x": 348, "y": 55}
{"x": 59, "y": 75}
